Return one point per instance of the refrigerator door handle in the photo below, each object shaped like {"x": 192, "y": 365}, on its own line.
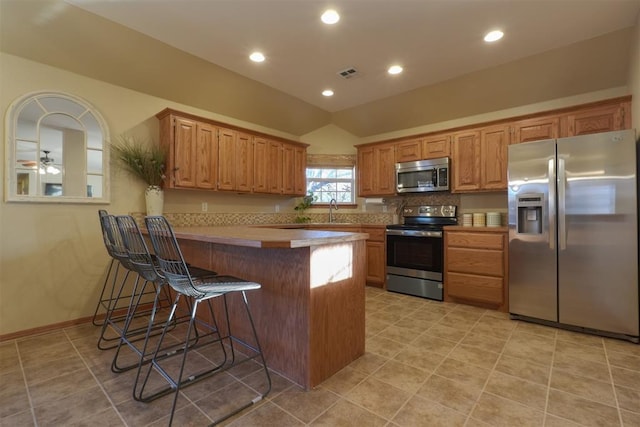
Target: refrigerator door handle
{"x": 552, "y": 204}
{"x": 562, "y": 225}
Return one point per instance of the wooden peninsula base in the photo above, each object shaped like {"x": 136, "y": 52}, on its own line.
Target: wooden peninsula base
{"x": 309, "y": 313}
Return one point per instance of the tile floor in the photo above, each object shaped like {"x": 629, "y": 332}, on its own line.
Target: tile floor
{"x": 426, "y": 364}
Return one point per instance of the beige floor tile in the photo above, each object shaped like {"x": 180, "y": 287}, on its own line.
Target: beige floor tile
{"x": 580, "y": 338}
{"x": 452, "y": 394}
{"x": 592, "y": 353}
{"x": 582, "y": 367}
{"x": 626, "y": 377}
{"x": 419, "y": 357}
{"x": 553, "y": 421}
{"x": 398, "y": 334}
{"x": 188, "y": 416}
{"x": 378, "y": 397}
{"x": 460, "y": 320}
{"x": 22, "y": 419}
{"x": 421, "y": 412}
{"x": 306, "y": 406}
{"x": 374, "y": 326}
{"x": 624, "y": 360}
{"x": 344, "y": 381}
{"x": 497, "y": 411}
{"x": 465, "y": 373}
{"x": 417, "y": 325}
{"x": 347, "y": 414}
{"x": 535, "y": 329}
{"x": 580, "y": 410}
{"x": 9, "y": 360}
{"x": 59, "y": 387}
{"x": 587, "y": 388}
{"x": 621, "y": 346}
{"x": 523, "y": 368}
{"x": 630, "y": 419}
{"x": 222, "y": 402}
{"x": 13, "y": 394}
{"x": 383, "y": 347}
{"x": 267, "y": 415}
{"x": 628, "y": 399}
{"x": 84, "y": 403}
{"x": 475, "y": 356}
{"x": 446, "y": 332}
{"x": 484, "y": 342}
{"x": 434, "y": 344}
{"x": 534, "y": 348}
{"x": 490, "y": 330}
{"x": 514, "y": 388}
{"x": 368, "y": 363}
{"x": 497, "y": 323}
{"x": 404, "y": 377}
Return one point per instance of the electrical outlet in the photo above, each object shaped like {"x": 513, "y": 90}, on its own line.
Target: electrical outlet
{"x": 205, "y": 206}
{"x": 277, "y": 208}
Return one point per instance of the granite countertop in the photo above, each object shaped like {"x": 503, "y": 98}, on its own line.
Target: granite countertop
{"x": 275, "y": 236}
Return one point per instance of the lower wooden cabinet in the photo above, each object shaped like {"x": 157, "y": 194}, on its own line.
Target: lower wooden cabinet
{"x": 476, "y": 267}
{"x": 376, "y": 255}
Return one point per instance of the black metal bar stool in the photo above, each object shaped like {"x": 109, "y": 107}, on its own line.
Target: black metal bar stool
{"x": 234, "y": 349}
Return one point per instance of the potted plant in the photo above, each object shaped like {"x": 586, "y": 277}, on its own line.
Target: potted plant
{"x": 146, "y": 161}
{"x": 301, "y": 207}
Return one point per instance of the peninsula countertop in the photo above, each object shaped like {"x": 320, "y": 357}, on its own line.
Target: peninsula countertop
{"x": 261, "y": 236}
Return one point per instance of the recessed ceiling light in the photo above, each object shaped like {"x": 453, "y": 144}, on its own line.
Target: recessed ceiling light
{"x": 493, "y": 36}
{"x": 394, "y": 69}
{"x": 256, "y": 57}
{"x": 327, "y": 92}
{"x": 330, "y": 17}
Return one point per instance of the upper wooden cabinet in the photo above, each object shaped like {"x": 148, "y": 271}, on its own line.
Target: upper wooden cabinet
{"x": 193, "y": 153}
{"x": 409, "y": 151}
{"x": 465, "y": 161}
{"x": 235, "y": 158}
{"x": 494, "y": 141}
{"x": 376, "y": 170}
{"x": 604, "y": 118}
{"x": 204, "y": 154}
{"x": 535, "y": 129}
{"x": 436, "y": 146}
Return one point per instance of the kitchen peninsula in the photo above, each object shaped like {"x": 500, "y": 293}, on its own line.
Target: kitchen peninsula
{"x": 309, "y": 313}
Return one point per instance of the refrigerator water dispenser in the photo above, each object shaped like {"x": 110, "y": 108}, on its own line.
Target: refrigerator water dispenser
{"x": 530, "y": 213}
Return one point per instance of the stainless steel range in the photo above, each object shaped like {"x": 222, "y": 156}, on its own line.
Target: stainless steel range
{"x": 415, "y": 251}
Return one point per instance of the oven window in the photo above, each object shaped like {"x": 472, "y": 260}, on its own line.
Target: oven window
{"x": 417, "y": 253}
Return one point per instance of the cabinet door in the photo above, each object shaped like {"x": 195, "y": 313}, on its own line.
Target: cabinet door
{"x": 288, "y": 169}
{"x": 366, "y": 160}
{"x": 227, "y": 159}
{"x": 466, "y": 161}
{"x": 385, "y": 171}
{"x": 376, "y": 263}
{"x": 244, "y": 162}
{"x": 493, "y": 157}
{"x": 261, "y": 161}
{"x": 597, "y": 119}
{"x": 184, "y": 151}
{"x": 436, "y": 146}
{"x": 206, "y": 159}
{"x": 300, "y": 171}
{"x": 536, "y": 129}
{"x": 409, "y": 151}
{"x": 274, "y": 167}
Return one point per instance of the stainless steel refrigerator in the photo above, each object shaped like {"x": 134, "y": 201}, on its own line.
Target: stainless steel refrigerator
{"x": 573, "y": 233}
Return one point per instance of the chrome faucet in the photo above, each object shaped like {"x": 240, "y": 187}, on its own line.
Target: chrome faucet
{"x": 333, "y": 204}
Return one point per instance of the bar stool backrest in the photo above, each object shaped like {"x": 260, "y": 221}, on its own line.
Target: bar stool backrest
{"x": 113, "y": 240}
{"x": 137, "y": 249}
{"x": 172, "y": 264}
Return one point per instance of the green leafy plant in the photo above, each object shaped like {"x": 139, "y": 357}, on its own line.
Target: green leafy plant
{"x": 301, "y": 207}
{"x": 142, "y": 159}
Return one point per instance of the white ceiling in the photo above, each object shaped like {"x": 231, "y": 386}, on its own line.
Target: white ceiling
{"x": 434, "y": 40}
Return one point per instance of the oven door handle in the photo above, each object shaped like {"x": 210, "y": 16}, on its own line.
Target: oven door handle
{"x": 414, "y": 233}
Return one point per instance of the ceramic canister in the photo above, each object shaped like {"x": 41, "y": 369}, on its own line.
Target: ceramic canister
{"x": 479, "y": 219}
{"x": 493, "y": 219}
{"x": 467, "y": 220}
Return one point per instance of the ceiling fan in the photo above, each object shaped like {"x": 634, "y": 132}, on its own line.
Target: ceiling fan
{"x": 46, "y": 164}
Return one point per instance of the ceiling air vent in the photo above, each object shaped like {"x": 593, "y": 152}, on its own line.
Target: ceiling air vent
{"x": 348, "y": 73}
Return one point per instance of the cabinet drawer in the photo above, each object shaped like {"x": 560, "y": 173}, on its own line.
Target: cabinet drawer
{"x": 376, "y": 234}
{"x": 475, "y": 261}
{"x": 477, "y": 288}
{"x": 476, "y": 240}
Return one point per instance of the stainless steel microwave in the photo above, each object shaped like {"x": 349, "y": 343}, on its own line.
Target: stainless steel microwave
{"x": 422, "y": 176}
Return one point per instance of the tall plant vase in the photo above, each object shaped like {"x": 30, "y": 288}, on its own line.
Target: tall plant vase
{"x": 154, "y": 196}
